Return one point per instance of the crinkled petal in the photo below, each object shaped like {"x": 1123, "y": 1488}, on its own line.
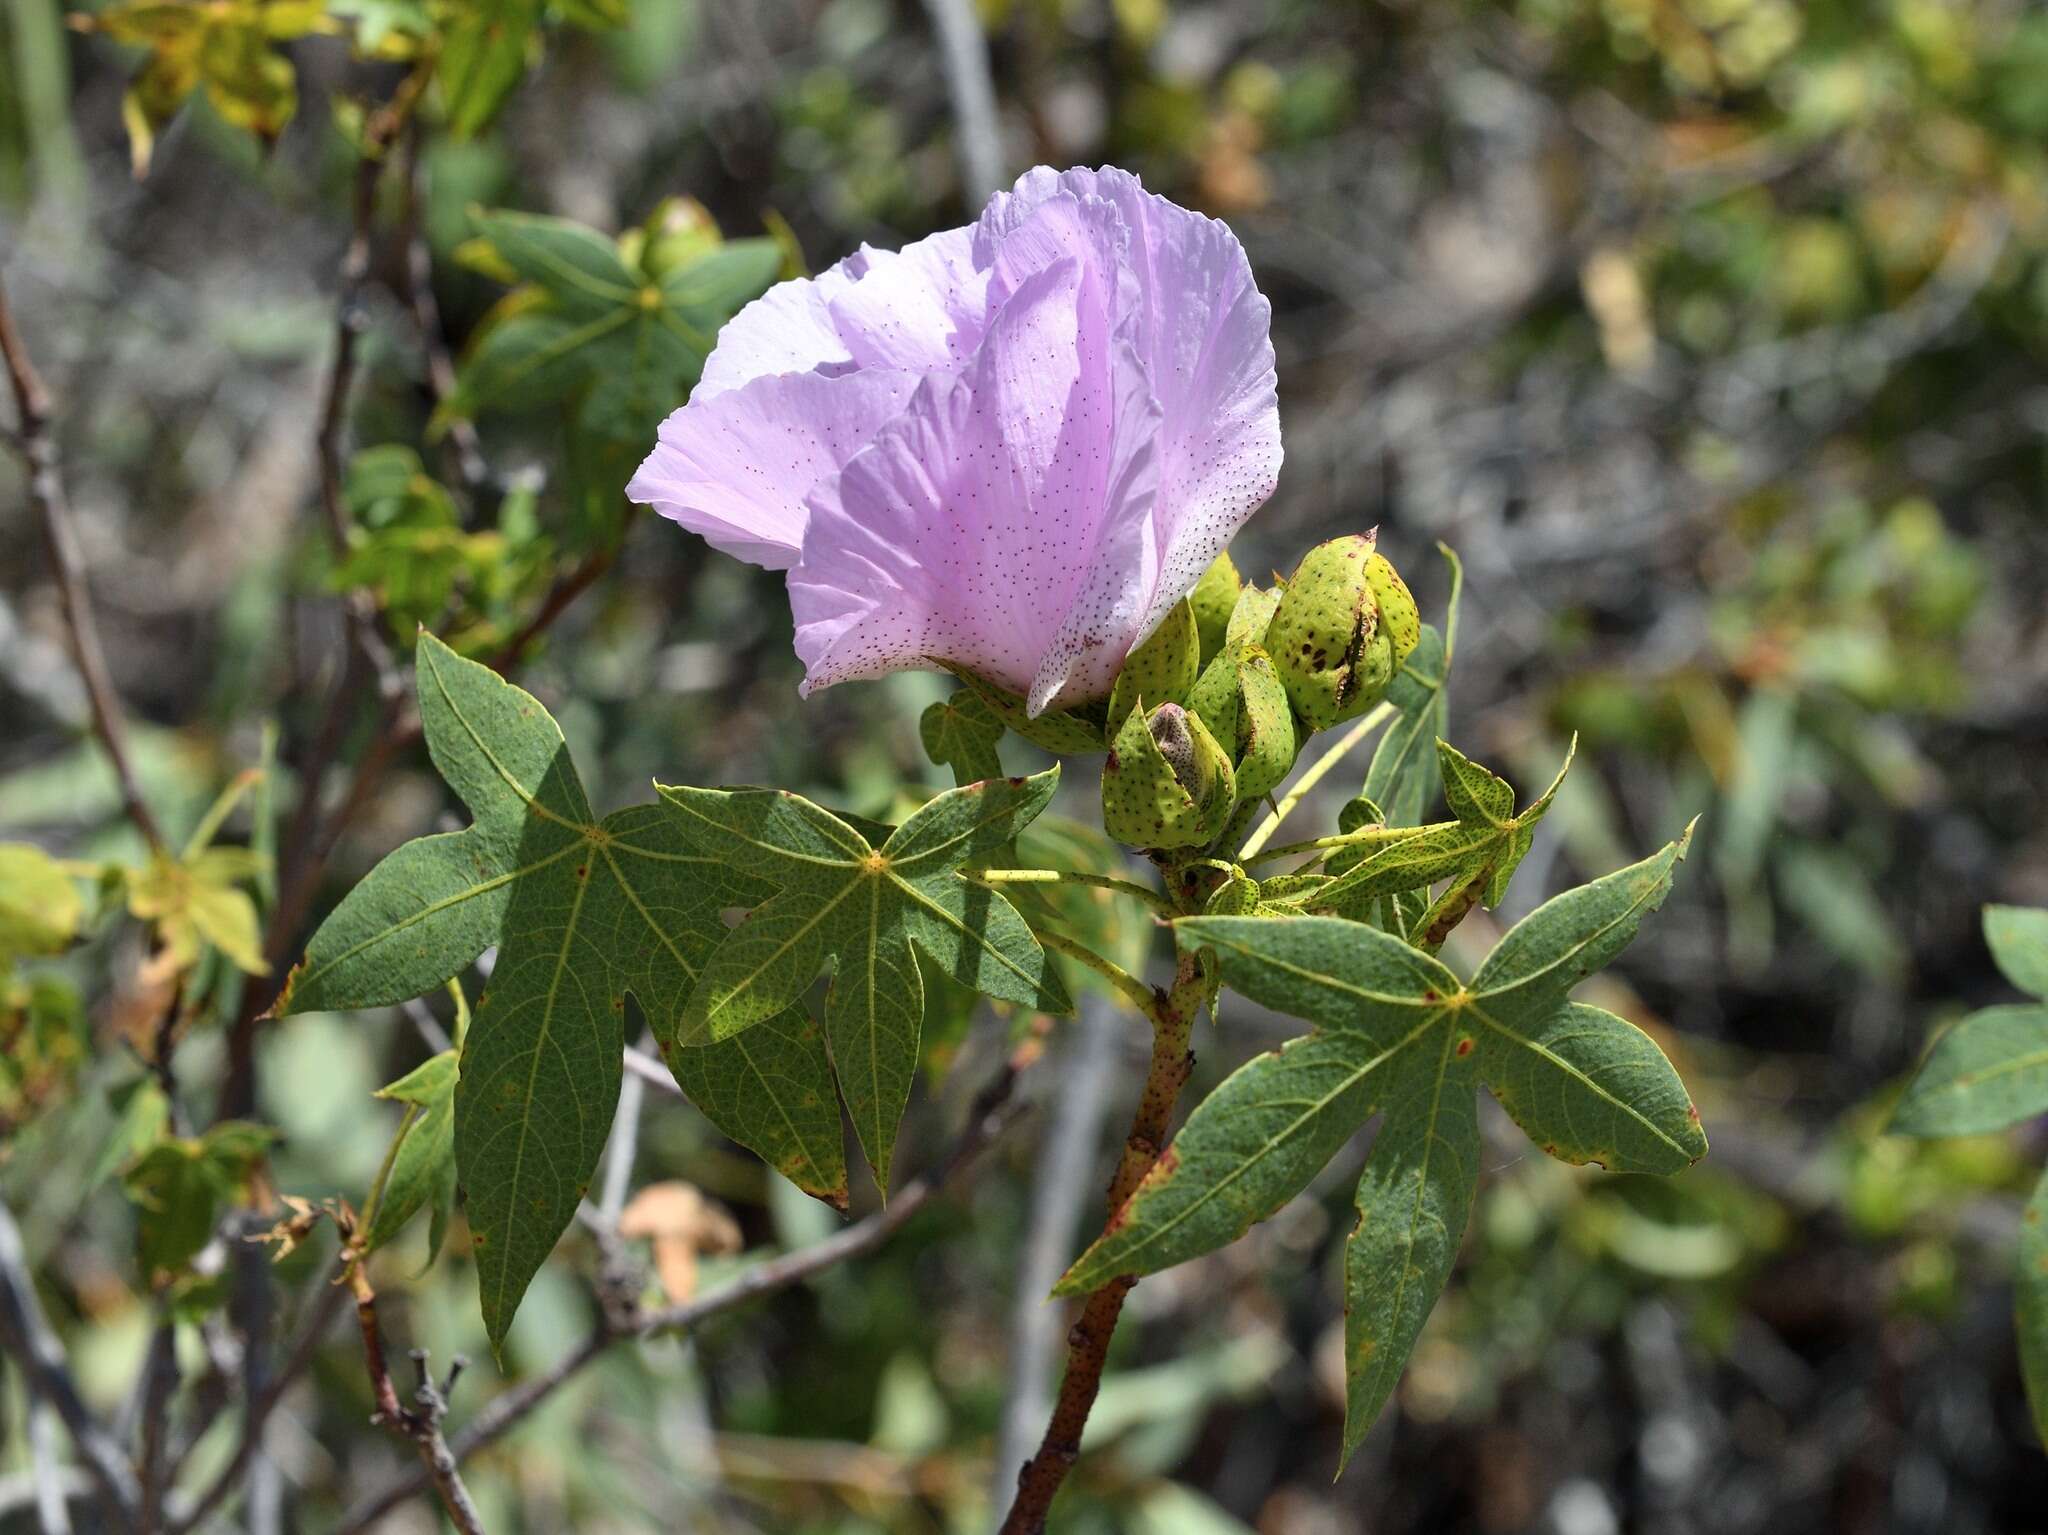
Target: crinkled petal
{"x": 736, "y": 468}
{"x": 921, "y": 308}
{"x": 788, "y": 329}
{"x": 969, "y": 529}
{"x": 1205, "y": 337}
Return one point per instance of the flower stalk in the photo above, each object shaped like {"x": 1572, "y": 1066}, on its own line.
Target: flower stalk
{"x": 1172, "y": 1011}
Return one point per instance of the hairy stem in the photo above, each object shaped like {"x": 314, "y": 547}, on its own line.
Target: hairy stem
{"x": 1173, "y": 1018}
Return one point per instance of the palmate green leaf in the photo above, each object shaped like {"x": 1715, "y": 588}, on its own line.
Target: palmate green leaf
{"x": 863, "y": 908}
{"x": 2030, "y": 1304}
{"x": 1399, "y": 1035}
{"x": 583, "y": 912}
{"x": 1404, "y": 777}
{"x": 1477, "y": 853}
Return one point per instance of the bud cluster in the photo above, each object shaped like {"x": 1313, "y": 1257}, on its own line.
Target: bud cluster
{"x": 1210, "y": 710}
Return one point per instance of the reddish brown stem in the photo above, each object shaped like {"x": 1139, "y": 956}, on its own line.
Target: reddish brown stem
{"x": 1173, "y": 1020}
{"x": 420, "y": 1423}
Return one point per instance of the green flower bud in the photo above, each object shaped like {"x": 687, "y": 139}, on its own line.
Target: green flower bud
{"x": 1248, "y": 620}
{"x": 1162, "y": 666}
{"x": 1240, "y": 698}
{"x": 1344, "y": 625}
{"x": 1214, "y": 599}
{"x": 1166, "y": 783}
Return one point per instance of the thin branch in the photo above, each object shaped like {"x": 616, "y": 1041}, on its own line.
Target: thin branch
{"x": 421, "y": 1423}
{"x": 1059, "y": 1185}
{"x": 26, "y": 1334}
{"x": 992, "y": 1114}
{"x": 1314, "y": 774}
{"x": 53, "y": 1504}
{"x": 1364, "y": 836}
{"x": 465, "y": 449}
{"x": 566, "y": 589}
{"x": 46, "y": 493}
{"x": 159, "y": 1385}
{"x": 1151, "y": 898}
{"x": 651, "y": 1071}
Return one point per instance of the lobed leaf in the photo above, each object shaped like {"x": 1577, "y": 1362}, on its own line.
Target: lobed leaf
{"x": 841, "y": 900}
{"x": 584, "y": 912}
{"x": 1399, "y": 1035}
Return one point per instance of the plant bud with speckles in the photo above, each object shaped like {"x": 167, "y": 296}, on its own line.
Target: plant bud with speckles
{"x": 1166, "y": 783}
{"x": 1344, "y": 625}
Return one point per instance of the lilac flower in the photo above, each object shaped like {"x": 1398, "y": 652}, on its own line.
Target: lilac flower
{"x": 1010, "y": 448}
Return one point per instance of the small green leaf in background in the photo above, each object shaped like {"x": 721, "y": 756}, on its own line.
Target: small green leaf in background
{"x": 2018, "y": 937}
{"x": 863, "y": 908}
{"x": 43, "y": 1023}
{"x": 484, "y": 53}
{"x": 961, "y": 732}
{"x": 1399, "y": 1035}
{"x": 226, "y": 46}
{"x": 584, "y": 911}
{"x": 407, "y": 547}
{"x": 180, "y": 1185}
{"x": 592, "y": 325}
{"x": 1989, "y": 1070}
{"x": 40, "y": 908}
{"x": 2031, "y": 1304}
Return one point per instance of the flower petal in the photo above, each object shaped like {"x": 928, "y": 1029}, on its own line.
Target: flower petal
{"x": 921, "y": 308}
{"x": 1204, "y": 333}
{"x": 735, "y": 468}
{"x": 788, "y": 329}
{"x": 969, "y": 529}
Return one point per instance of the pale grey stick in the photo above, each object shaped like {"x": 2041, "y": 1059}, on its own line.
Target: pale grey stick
{"x": 1059, "y": 1188}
